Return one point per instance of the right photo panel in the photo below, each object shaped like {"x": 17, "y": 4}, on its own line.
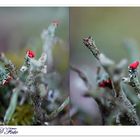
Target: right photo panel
{"x": 104, "y": 66}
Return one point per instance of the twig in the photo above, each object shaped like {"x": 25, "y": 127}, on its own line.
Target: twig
{"x": 12, "y": 106}
{"x": 82, "y": 76}
{"x": 55, "y": 113}
{"x": 118, "y": 118}
{"x": 102, "y": 59}
{"x": 130, "y": 110}
{"x": 40, "y": 114}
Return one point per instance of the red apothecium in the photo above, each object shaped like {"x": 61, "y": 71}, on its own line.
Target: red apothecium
{"x": 134, "y": 65}
{"x": 105, "y": 83}
{"x": 30, "y": 53}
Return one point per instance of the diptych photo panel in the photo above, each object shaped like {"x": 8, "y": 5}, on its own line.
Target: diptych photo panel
{"x": 71, "y": 66}
{"x": 34, "y": 66}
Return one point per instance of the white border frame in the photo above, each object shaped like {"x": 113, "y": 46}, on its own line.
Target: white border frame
{"x": 103, "y": 131}
{"x": 59, "y": 131}
{"x": 70, "y": 3}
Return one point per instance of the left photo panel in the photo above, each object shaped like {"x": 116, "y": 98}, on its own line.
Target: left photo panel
{"x": 34, "y": 66}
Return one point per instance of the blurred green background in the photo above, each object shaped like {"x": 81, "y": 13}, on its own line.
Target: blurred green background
{"x": 20, "y": 28}
{"x": 109, "y": 26}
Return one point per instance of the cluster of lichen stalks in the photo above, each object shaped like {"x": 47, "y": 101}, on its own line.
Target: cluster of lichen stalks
{"x": 113, "y": 84}
{"x": 30, "y": 81}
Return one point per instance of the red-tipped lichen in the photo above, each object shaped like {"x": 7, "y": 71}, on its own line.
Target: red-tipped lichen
{"x": 30, "y": 53}
{"x": 105, "y": 83}
{"x": 134, "y": 65}
{"x": 55, "y": 22}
